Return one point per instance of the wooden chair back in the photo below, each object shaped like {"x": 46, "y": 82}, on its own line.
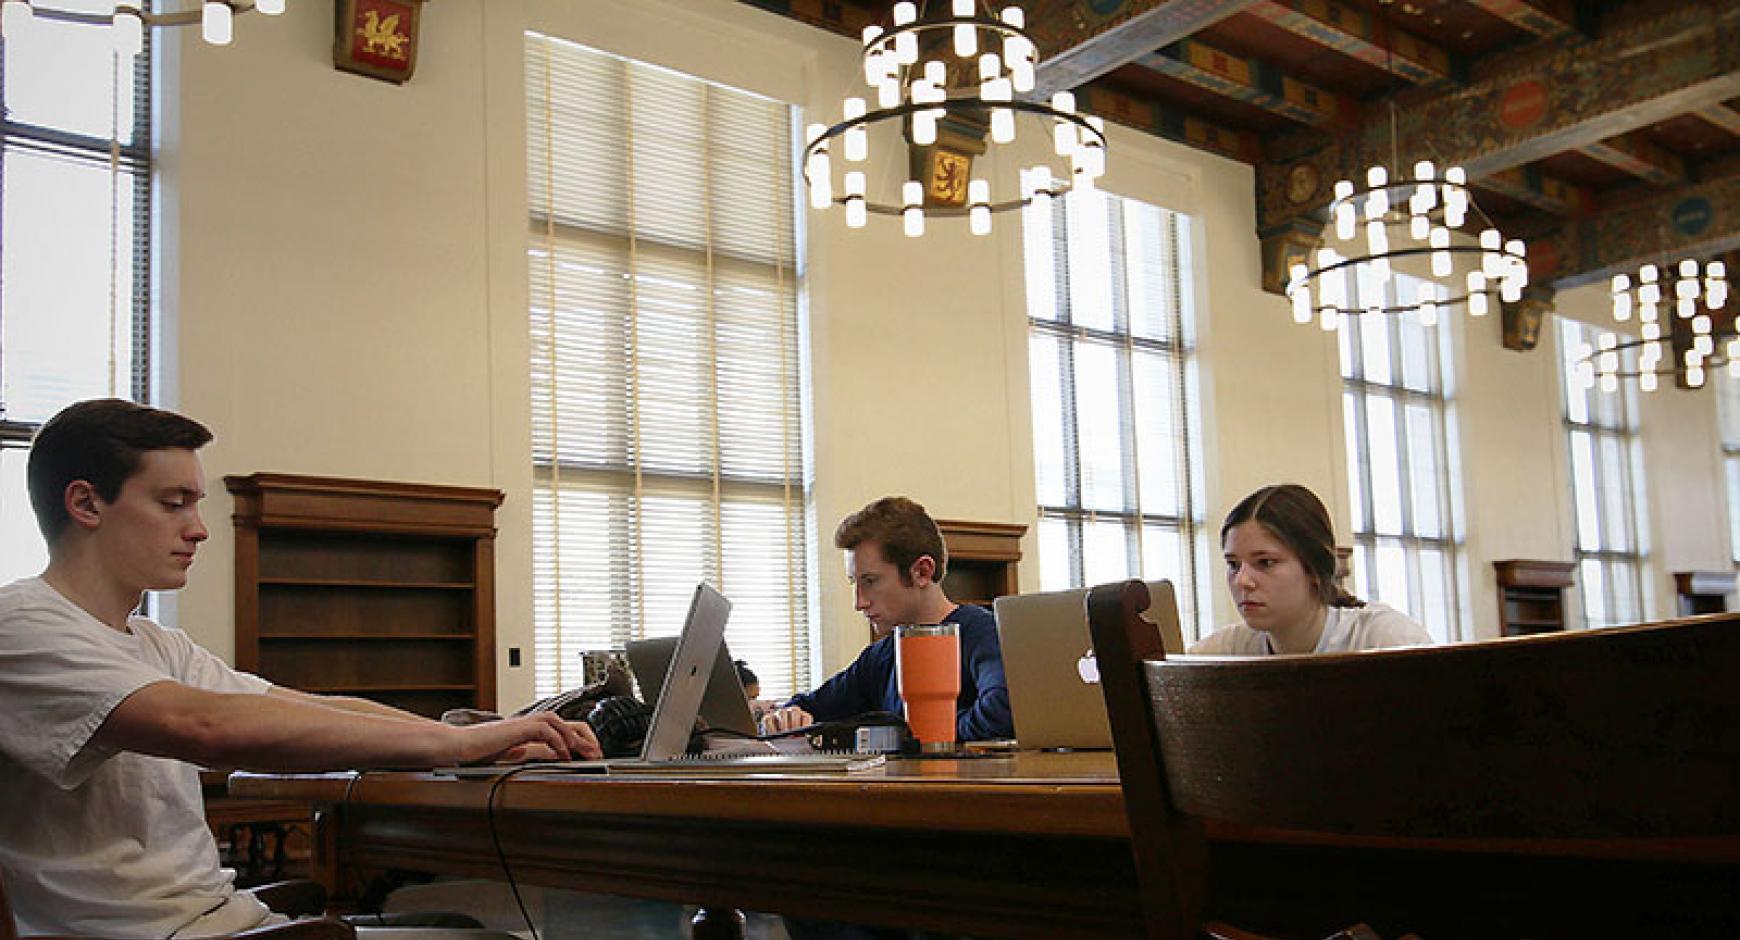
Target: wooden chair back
{"x": 1621, "y": 734}
{"x": 1170, "y": 853}
{"x": 1435, "y": 787}
{"x": 8, "y": 927}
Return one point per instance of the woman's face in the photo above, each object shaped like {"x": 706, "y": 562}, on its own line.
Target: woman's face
{"x": 1268, "y": 581}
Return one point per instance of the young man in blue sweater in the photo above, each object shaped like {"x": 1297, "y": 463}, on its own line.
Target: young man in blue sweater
{"x": 896, "y": 560}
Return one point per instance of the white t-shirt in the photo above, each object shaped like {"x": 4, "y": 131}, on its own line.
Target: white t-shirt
{"x": 1345, "y": 629}
{"x": 95, "y": 842}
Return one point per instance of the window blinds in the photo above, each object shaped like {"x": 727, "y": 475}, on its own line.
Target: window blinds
{"x": 1111, "y": 354}
{"x": 667, "y": 407}
{"x": 1395, "y": 408}
{"x": 1606, "y": 483}
{"x": 75, "y": 242}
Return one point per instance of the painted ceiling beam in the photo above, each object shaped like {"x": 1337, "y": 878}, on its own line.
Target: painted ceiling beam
{"x": 1149, "y": 117}
{"x": 1360, "y": 35}
{"x": 1640, "y": 158}
{"x": 1580, "y": 96}
{"x": 1693, "y": 221}
{"x": 1078, "y": 44}
{"x": 1253, "y": 82}
{"x": 835, "y": 17}
{"x": 1545, "y": 19}
{"x": 1722, "y": 116}
{"x": 1538, "y": 190}
{"x": 1682, "y": 61}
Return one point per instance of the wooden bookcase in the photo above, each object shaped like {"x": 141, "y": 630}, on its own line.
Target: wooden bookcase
{"x": 1531, "y": 595}
{"x": 983, "y": 560}
{"x": 360, "y": 587}
{"x": 1703, "y": 592}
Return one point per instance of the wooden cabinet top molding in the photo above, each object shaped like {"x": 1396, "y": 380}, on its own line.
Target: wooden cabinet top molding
{"x": 1526, "y": 572}
{"x": 292, "y": 501}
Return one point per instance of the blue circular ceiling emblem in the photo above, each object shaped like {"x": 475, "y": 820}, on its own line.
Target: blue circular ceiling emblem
{"x": 1692, "y": 216}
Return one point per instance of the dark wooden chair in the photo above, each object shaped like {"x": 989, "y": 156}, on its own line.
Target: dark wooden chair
{"x": 321, "y": 929}
{"x": 1568, "y": 785}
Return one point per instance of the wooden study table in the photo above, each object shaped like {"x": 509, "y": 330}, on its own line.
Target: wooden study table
{"x": 1033, "y": 845}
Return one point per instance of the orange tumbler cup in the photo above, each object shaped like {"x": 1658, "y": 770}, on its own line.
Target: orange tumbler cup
{"x": 927, "y": 665}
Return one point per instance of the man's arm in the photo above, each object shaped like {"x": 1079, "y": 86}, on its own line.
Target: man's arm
{"x": 300, "y": 732}
{"x": 988, "y": 717}
{"x": 349, "y": 703}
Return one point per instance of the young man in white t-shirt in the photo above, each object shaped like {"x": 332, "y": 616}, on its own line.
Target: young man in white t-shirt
{"x": 104, "y": 715}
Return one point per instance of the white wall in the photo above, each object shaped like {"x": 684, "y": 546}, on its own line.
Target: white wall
{"x": 349, "y": 288}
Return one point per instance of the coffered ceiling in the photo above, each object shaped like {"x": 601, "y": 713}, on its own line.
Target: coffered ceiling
{"x": 1605, "y": 133}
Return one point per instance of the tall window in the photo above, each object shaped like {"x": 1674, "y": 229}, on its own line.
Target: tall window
{"x": 75, "y": 211}
{"x": 1112, "y": 359}
{"x": 1397, "y": 411}
{"x": 1606, "y": 485}
{"x": 667, "y": 405}
{"x": 1728, "y": 414}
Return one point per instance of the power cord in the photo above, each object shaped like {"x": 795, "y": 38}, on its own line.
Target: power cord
{"x": 495, "y": 839}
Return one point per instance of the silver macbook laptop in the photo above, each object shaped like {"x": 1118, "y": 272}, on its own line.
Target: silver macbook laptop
{"x": 724, "y": 705}
{"x": 1054, "y": 691}
{"x": 680, "y": 691}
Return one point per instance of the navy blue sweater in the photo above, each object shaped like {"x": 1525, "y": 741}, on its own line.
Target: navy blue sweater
{"x": 869, "y": 684}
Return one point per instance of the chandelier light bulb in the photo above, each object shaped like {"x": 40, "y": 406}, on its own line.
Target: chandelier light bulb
{"x": 1701, "y": 325}
{"x": 1419, "y": 227}
{"x": 1344, "y": 220}
{"x": 1685, "y": 308}
{"x": 857, "y": 138}
{"x": 1647, "y": 312}
{"x": 16, "y": 18}
{"x": 905, "y": 46}
{"x": 128, "y": 28}
{"x": 990, "y": 67}
{"x": 966, "y": 34}
{"x": 1646, "y": 381}
{"x": 1621, "y": 283}
{"x": 1477, "y": 305}
{"x": 269, "y": 7}
{"x": 217, "y": 23}
{"x": 857, "y": 212}
{"x": 936, "y": 73}
{"x": 1689, "y": 268}
{"x": 1704, "y": 345}
{"x": 924, "y": 128}
{"x": 1609, "y": 384}
{"x": 888, "y": 93}
{"x": 1686, "y": 286}
{"x": 1301, "y": 298}
{"x": 1695, "y": 377}
{"x": 905, "y": 12}
{"x": 1622, "y": 307}
{"x": 1652, "y": 332}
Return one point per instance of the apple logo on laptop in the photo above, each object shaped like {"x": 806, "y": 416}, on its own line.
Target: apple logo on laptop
{"x": 1088, "y": 667}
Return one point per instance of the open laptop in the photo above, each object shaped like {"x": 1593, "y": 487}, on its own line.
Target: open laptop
{"x": 1054, "y": 691}
{"x": 680, "y": 692}
{"x": 724, "y": 705}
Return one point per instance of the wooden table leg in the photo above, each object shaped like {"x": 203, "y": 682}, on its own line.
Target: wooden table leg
{"x": 717, "y": 923}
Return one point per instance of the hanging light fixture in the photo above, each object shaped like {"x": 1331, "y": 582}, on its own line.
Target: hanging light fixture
{"x": 129, "y": 20}
{"x": 993, "y": 61}
{"x": 1394, "y": 217}
{"x": 1399, "y": 217}
{"x": 1699, "y": 290}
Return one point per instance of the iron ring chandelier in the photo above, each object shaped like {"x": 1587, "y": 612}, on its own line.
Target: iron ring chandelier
{"x": 921, "y": 96}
